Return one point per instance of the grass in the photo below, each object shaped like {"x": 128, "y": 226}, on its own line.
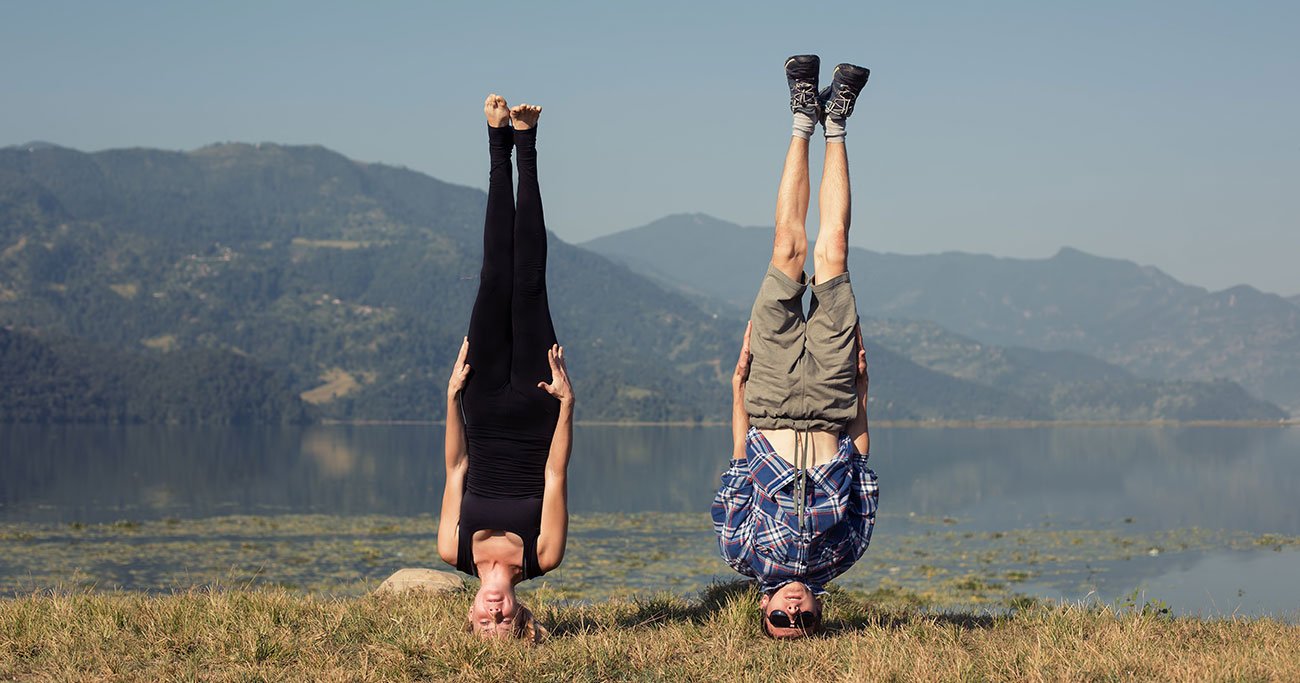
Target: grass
{"x": 271, "y": 635}
{"x": 932, "y": 600}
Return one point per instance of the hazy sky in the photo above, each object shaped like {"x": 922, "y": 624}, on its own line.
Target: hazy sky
{"x": 1163, "y": 132}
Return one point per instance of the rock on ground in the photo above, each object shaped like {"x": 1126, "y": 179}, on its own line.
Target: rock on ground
{"x": 420, "y": 579}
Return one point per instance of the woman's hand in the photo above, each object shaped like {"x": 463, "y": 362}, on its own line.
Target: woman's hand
{"x": 741, "y": 375}
{"x": 559, "y": 386}
{"x": 459, "y": 371}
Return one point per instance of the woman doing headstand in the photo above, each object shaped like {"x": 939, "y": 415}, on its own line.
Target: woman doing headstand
{"x": 509, "y": 423}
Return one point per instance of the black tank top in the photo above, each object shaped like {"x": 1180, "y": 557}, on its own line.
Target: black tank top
{"x": 522, "y": 516}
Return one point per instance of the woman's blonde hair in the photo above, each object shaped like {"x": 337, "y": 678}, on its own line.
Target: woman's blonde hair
{"x": 525, "y": 627}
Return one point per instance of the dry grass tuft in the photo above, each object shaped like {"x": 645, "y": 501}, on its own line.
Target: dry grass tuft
{"x": 234, "y": 635}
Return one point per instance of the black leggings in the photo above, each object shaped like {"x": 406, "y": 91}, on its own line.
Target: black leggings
{"x": 509, "y": 421}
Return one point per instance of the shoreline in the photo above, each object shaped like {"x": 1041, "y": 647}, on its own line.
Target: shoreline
{"x": 911, "y": 424}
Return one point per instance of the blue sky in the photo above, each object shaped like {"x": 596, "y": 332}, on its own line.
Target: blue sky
{"x": 1162, "y": 132}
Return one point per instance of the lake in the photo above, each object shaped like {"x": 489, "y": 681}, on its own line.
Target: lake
{"x": 1199, "y": 519}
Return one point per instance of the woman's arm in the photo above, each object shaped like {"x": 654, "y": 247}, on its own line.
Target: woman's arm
{"x": 555, "y": 497}
{"x": 457, "y": 461}
{"x": 739, "y": 416}
{"x": 857, "y": 430}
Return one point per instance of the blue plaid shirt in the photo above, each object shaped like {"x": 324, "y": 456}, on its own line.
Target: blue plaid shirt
{"x": 758, "y": 527}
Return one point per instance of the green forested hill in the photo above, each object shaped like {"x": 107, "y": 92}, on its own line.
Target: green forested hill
{"x": 346, "y": 283}
{"x": 355, "y": 280}
{"x": 64, "y": 380}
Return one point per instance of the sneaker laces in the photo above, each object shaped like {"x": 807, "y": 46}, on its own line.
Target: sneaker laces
{"x": 803, "y": 94}
{"x": 841, "y": 102}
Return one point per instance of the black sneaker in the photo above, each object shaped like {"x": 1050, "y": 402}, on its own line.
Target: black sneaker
{"x": 837, "y": 98}
{"x": 801, "y": 73}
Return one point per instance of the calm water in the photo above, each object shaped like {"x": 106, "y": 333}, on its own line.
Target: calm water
{"x": 976, "y": 481}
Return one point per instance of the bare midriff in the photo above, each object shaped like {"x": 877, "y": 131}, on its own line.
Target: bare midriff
{"x": 822, "y": 445}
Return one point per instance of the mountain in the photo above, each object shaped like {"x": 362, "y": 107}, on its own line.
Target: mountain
{"x": 716, "y": 263}
{"x": 65, "y": 380}
{"x": 350, "y": 283}
{"x": 133, "y": 281}
{"x": 1065, "y": 384}
{"x": 1132, "y": 316}
{"x": 354, "y": 279}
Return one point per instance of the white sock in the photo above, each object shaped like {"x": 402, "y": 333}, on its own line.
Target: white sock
{"x": 803, "y": 125}
{"x": 833, "y": 126}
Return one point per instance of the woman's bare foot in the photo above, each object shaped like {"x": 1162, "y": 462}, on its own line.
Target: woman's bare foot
{"x": 497, "y": 111}
{"x": 525, "y": 115}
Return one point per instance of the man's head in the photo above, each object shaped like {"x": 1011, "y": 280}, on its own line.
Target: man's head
{"x": 791, "y": 611}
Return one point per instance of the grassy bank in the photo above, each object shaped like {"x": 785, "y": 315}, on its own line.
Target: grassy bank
{"x": 278, "y": 635}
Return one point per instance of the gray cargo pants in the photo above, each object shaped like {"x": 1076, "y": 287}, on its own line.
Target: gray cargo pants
{"x": 803, "y": 370}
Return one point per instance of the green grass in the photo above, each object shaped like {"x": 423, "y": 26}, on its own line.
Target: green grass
{"x": 272, "y": 635}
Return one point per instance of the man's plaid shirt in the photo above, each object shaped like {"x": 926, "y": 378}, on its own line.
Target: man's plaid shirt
{"x": 757, "y": 524}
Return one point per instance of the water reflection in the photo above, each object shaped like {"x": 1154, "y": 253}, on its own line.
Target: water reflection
{"x": 947, "y": 497}
{"x": 1161, "y": 478}
{"x": 1229, "y": 478}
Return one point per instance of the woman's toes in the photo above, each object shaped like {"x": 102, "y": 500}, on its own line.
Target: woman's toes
{"x": 496, "y": 110}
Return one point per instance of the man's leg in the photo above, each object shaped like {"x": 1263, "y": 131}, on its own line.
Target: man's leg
{"x": 834, "y": 200}
{"x": 830, "y": 255}
{"x": 832, "y": 315}
{"x": 773, "y": 394}
{"x": 790, "y": 244}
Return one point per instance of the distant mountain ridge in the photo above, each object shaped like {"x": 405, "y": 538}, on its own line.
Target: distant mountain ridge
{"x": 1132, "y": 316}
{"x": 354, "y": 279}
{"x": 354, "y": 282}
{"x": 1065, "y": 383}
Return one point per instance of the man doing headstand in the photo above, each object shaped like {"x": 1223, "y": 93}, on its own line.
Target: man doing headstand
{"x": 797, "y": 504}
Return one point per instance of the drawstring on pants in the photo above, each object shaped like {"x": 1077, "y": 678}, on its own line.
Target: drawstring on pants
{"x": 801, "y": 458}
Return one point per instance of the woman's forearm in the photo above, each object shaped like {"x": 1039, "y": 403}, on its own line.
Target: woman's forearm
{"x": 557, "y": 460}
{"x": 454, "y": 487}
{"x": 554, "y": 531}
{"x": 454, "y": 441}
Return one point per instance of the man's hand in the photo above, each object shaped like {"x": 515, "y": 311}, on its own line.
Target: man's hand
{"x": 459, "y": 371}
{"x": 741, "y": 375}
{"x": 559, "y": 386}
{"x": 739, "y": 417}
{"x": 861, "y": 381}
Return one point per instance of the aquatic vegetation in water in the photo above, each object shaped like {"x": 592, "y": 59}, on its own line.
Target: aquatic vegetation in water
{"x": 934, "y": 561}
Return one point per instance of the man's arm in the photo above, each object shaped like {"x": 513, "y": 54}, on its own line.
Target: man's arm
{"x": 457, "y": 461}
{"x": 555, "y": 497}
{"x": 739, "y": 416}
{"x": 731, "y": 506}
{"x": 732, "y": 518}
{"x": 857, "y": 430}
